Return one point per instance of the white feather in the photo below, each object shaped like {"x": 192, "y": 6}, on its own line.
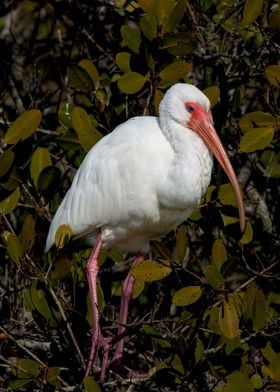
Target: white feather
{"x": 141, "y": 180}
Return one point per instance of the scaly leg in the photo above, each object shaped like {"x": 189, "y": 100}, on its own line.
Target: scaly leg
{"x": 126, "y": 296}
{"x": 92, "y": 272}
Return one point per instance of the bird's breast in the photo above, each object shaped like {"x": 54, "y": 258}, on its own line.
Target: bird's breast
{"x": 173, "y": 188}
{"x": 187, "y": 181}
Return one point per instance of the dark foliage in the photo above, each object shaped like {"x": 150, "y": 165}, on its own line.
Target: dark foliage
{"x": 106, "y": 61}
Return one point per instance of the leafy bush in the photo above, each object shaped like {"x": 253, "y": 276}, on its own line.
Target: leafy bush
{"x": 206, "y": 316}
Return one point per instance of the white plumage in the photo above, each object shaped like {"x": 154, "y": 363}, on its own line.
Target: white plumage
{"x": 141, "y": 180}
{"x": 136, "y": 184}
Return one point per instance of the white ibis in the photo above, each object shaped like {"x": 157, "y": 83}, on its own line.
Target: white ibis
{"x": 137, "y": 184}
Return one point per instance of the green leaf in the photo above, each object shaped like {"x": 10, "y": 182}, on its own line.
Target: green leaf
{"x": 252, "y": 10}
{"x": 123, "y": 61}
{"x": 186, "y": 296}
{"x": 247, "y": 235}
{"x": 168, "y": 13}
{"x": 273, "y": 369}
{"x": 63, "y": 235}
{"x": 228, "y": 318}
{"x": 61, "y": 269}
{"x": 148, "y": 24}
{"x": 156, "y": 369}
{"x": 163, "y": 11}
{"x": 257, "y": 381}
{"x": 64, "y": 113}
{"x": 138, "y": 287}
{"x": 226, "y": 195}
{"x": 213, "y": 320}
{"x": 91, "y": 70}
{"x": 219, "y": 253}
{"x": 131, "y": 36}
{"x": 273, "y": 299}
{"x": 28, "y": 300}
{"x": 146, "y": 5}
{"x": 238, "y": 96}
{"x": 27, "y": 234}
{"x": 32, "y": 367}
{"x": 199, "y": 351}
{"x": 155, "y": 336}
{"x": 231, "y": 345}
{"x": 157, "y": 99}
{"x": 272, "y": 74}
{"x": 175, "y": 12}
{"x": 9, "y": 204}
{"x": 131, "y": 82}
{"x": 256, "y": 119}
{"x": 13, "y": 246}
{"x": 175, "y": 71}
{"x": 237, "y": 382}
{"x": 196, "y": 215}
{"x": 40, "y": 159}
{"x": 52, "y": 374}
{"x": 87, "y": 134}
{"x": 176, "y": 364}
{"x": 6, "y": 161}
{"x": 151, "y": 270}
{"x": 19, "y": 383}
{"x": 229, "y": 220}
{"x": 209, "y": 193}
{"x": 38, "y": 298}
{"x": 80, "y": 79}
{"x": 24, "y": 126}
{"x": 256, "y": 139}
{"x": 252, "y": 36}
{"x": 149, "y": 330}
{"x": 213, "y": 94}
{"x": 255, "y": 305}
{"x": 214, "y": 277}
{"x": 49, "y": 179}
{"x": 103, "y": 99}
{"x": 274, "y": 19}
{"x": 91, "y": 385}
{"x": 30, "y": 370}
{"x": 271, "y": 162}
{"x": 179, "y": 44}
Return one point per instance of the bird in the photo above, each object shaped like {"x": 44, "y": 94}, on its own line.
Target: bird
{"x": 137, "y": 184}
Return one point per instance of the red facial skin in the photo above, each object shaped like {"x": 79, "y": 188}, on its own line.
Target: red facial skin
{"x": 201, "y": 122}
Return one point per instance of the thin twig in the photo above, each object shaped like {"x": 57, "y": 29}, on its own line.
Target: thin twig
{"x": 68, "y": 326}
{"x": 148, "y": 100}
{"x": 30, "y": 354}
{"x": 92, "y": 40}
{"x": 256, "y": 276}
{"x": 23, "y": 348}
{"x": 21, "y": 369}
{"x": 195, "y": 22}
{"x": 38, "y": 208}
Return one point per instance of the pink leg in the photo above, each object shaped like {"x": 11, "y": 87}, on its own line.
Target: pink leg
{"x": 126, "y": 296}
{"x": 92, "y": 272}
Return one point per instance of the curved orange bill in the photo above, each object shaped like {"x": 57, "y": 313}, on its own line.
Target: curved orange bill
{"x": 208, "y": 134}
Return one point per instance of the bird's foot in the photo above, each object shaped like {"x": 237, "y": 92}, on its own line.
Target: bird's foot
{"x": 98, "y": 343}
{"x": 105, "y": 359}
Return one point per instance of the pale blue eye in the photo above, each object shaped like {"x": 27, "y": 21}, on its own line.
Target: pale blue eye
{"x": 190, "y": 109}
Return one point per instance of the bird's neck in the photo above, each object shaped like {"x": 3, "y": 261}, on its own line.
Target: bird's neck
{"x": 192, "y": 163}
{"x": 184, "y": 141}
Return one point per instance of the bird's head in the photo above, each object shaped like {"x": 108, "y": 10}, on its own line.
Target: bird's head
{"x": 185, "y": 104}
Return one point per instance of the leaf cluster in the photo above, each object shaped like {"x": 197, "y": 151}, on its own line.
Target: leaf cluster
{"x": 205, "y": 309}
